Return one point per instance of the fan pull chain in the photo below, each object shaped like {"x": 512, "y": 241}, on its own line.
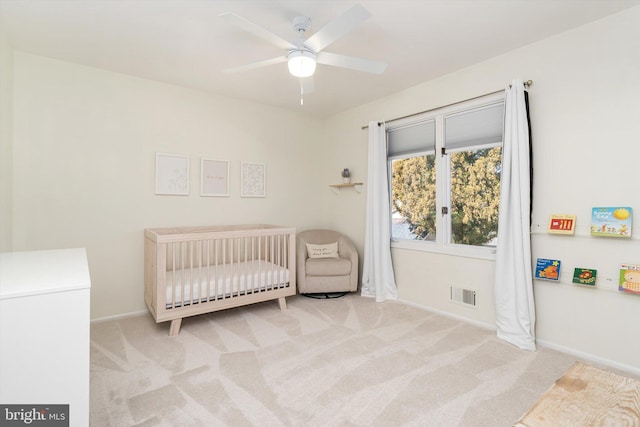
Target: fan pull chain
{"x": 301, "y": 94}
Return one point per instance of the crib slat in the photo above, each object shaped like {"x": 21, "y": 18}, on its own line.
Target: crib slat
{"x": 240, "y": 268}
{"x": 285, "y": 264}
{"x": 238, "y": 273}
{"x": 259, "y": 273}
{"x": 277, "y": 278}
{"x": 183, "y": 254}
{"x": 253, "y": 264}
{"x": 224, "y": 267}
{"x": 173, "y": 276}
{"x": 190, "y": 298}
{"x": 199, "y": 278}
{"x": 255, "y": 259}
{"x": 207, "y": 272}
{"x": 272, "y": 260}
{"x": 217, "y": 254}
{"x": 242, "y": 264}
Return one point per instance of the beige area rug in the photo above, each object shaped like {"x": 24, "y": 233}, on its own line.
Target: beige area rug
{"x": 341, "y": 362}
{"x": 587, "y": 396}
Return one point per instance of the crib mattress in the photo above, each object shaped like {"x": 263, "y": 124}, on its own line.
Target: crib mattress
{"x": 207, "y": 283}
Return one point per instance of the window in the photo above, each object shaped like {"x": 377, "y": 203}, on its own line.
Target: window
{"x": 445, "y": 177}
{"x": 413, "y": 183}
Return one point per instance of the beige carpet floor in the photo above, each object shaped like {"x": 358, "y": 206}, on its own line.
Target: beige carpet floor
{"x": 339, "y": 362}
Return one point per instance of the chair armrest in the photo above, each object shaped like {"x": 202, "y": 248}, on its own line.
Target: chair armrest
{"x": 346, "y": 249}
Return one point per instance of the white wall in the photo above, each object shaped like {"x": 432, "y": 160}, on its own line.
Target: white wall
{"x": 84, "y": 160}
{"x": 6, "y": 142}
{"x": 584, "y": 108}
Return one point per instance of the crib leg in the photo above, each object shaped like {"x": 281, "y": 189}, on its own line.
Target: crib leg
{"x": 174, "y": 329}
{"x": 282, "y": 302}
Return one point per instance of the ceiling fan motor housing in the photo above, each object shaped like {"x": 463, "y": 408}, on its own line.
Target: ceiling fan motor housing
{"x": 301, "y": 24}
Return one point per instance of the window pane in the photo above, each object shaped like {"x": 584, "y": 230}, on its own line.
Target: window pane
{"x": 413, "y": 198}
{"x": 475, "y": 196}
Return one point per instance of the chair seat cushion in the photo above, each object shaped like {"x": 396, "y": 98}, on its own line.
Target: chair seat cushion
{"x": 328, "y": 267}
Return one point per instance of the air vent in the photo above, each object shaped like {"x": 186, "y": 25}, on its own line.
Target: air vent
{"x": 463, "y": 296}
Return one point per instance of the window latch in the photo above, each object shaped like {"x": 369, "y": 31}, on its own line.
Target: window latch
{"x": 445, "y": 210}
{"x": 443, "y": 151}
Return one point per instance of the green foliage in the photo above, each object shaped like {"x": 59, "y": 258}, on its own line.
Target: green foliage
{"x": 475, "y": 195}
{"x": 414, "y": 194}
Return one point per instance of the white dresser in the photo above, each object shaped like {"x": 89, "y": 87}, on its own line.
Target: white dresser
{"x": 44, "y": 330}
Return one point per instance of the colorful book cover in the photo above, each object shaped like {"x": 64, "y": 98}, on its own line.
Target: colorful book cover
{"x": 548, "y": 269}
{"x": 629, "y": 278}
{"x": 584, "y": 276}
{"x": 611, "y": 222}
{"x": 562, "y": 224}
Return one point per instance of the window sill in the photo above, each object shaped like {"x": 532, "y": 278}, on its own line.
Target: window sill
{"x": 488, "y": 254}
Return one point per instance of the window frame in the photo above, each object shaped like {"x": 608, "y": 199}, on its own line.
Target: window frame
{"x": 442, "y": 243}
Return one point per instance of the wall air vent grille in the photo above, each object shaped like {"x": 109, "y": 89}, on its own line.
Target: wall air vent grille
{"x": 463, "y": 296}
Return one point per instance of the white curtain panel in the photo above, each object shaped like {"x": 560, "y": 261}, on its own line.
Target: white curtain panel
{"x": 377, "y": 277}
{"x": 515, "y": 309}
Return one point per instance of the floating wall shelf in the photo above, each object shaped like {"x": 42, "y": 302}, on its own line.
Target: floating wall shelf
{"x": 356, "y": 186}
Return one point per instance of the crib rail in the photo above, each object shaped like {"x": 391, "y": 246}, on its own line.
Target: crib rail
{"x": 195, "y": 270}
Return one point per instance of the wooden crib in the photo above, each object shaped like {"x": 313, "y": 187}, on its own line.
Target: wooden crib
{"x": 196, "y": 270}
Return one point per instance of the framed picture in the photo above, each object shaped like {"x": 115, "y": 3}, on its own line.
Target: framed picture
{"x": 253, "y": 180}
{"x": 214, "y": 177}
{"x": 172, "y": 174}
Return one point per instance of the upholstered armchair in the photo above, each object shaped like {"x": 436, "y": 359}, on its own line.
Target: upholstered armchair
{"x": 327, "y": 262}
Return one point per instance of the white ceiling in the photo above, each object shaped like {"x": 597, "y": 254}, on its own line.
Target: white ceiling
{"x": 185, "y": 42}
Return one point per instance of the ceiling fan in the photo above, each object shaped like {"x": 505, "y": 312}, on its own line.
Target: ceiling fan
{"x": 302, "y": 54}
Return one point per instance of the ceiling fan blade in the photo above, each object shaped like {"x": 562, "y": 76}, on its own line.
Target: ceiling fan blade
{"x": 338, "y": 28}
{"x": 256, "y": 30}
{"x": 254, "y": 65}
{"x": 351, "y": 62}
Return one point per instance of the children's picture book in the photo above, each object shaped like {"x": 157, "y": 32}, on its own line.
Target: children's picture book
{"x": 547, "y": 269}
{"x": 611, "y": 221}
{"x": 562, "y": 224}
{"x": 629, "y": 278}
{"x": 584, "y": 276}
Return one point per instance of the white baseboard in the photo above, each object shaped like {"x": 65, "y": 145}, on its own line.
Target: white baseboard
{"x": 119, "y": 316}
{"x": 587, "y": 357}
{"x": 483, "y": 325}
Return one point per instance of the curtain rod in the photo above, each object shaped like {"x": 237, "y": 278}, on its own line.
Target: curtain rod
{"x": 526, "y": 84}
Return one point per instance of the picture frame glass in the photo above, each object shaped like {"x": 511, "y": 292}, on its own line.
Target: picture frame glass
{"x": 172, "y": 174}
{"x": 214, "y": 178}
{"x": 253, "y": 180}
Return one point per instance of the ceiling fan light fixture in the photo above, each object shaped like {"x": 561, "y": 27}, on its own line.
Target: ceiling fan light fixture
{"x": 302, "y": 63}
